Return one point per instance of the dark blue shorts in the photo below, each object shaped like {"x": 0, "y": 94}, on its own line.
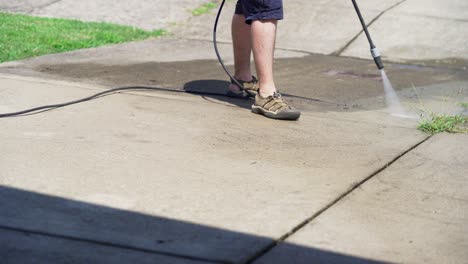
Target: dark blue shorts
{"x": 260, "y": 9}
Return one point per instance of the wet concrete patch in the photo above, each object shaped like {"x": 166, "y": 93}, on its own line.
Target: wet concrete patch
{"x": 164, "y": 74}
{"x": 342, "y": 84}
{"x": 375, "y": 77}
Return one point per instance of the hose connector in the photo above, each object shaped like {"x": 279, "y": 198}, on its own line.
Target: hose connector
{"x": 377, "y": 59}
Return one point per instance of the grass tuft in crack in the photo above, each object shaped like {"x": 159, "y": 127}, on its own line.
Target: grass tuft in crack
{"x": 444, "y": 123}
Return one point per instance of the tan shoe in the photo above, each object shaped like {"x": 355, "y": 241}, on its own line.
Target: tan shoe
{"x": 274, "y": 106}
{"x": 248, "y": 89}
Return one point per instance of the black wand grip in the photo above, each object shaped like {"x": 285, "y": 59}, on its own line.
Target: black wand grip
{"x": 378, "y": 62}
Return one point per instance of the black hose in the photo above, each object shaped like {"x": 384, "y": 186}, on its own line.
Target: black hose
{"x": 215, "y": 44}
{"x": 94, "y": 96}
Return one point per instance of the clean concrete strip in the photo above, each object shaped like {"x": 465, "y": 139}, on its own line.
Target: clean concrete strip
{"x": 331, "y": 27}
{"x": 406, "y": 33}
{"x": 413, "y": 212}
{"x": 448, "y": 9}
{"x": 312, "y": 26}
{"x": 328, "y": 206}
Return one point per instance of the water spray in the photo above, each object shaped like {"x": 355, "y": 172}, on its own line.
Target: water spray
{"x": 391, "y": 98}
{"x": 374, "y": 51}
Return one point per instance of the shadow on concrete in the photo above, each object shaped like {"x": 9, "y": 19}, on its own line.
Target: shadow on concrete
{"x": 215, "y": 92}
{"x": 207, "y": 87}
{"x": 39, "y": 228}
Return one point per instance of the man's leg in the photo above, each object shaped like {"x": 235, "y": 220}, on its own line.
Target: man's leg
{"x": 268, "y": 102}
{"x": 242, "y": 44}
{"x": 263, "y": 45}
{"x": 263, "y": 16}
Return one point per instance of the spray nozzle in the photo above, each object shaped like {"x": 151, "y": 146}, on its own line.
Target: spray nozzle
{"x": 377, "y": 59}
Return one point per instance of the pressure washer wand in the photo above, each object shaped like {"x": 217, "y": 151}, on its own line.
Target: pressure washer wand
{"x": 375, "y": 53}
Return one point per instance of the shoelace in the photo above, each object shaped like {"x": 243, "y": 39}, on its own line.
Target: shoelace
{"x": 278, "y": 96}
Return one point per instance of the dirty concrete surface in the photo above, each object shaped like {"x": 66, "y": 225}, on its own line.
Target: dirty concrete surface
{"x": 186, "y": 175}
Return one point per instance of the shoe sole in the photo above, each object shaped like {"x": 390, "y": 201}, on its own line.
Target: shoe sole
{"x": 273, "y": 115}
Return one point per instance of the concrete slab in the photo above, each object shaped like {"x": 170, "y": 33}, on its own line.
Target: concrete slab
{"x": 142, "y": 14}
{"x": 25, "y": 6}
{"x": 415, "y": 211}
{"x": 326, "y": 27}
{"x": 25, "y": 247}
{"x": 447, "y": 10}
{"x": 136, "y": 154}
{"x": 399, "y": 36}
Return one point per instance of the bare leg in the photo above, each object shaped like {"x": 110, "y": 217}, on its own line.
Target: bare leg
{"x": 263, "y": 44}
{"x": 242, "y": 43}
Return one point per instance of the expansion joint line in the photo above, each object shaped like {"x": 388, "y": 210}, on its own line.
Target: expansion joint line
{"x": 346, "y": 46}
{"x": 331, "y": 204}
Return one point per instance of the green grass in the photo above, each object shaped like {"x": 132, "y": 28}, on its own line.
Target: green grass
{"x": 205, "y": 8}
{"x": 444, "y": 123}
{"x": 24, "y": 36}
